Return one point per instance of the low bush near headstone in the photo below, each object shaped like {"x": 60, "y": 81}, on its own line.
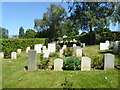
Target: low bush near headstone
{"x": 53, "y": 54}
{"x": 58, "y": 47}
{"x": 72, "y": 63}
{"x": 68, "y": 52}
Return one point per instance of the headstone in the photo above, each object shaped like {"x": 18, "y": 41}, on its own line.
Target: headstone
{"x": 58, "y": 64}
{"x": 46, "y": 53}
{"x": 104, "y": 46}
{"x": 27, "y": 49}
{"x": 61, "y": 41}
{"x": 32, "y": 60}
{"x": 71, "y": 41}
{"x": 83, "y": 44}
{"x": 86, "y": 63}
{"x": 38, "y": 48}
{"x": 108, "y": 61}
{"x": 61, "y": 52}
{"x": 116, "y": 47}
{"x": 64, "y": 47}
{"x": 51, "y": 47}
{"x": 1, "y": 55}
{"x": 44, "y": 48}
{"x": 13, "y": 55}
{"x": 19, "y": 51}
{"x": 74, "y": 45}
{"x": 79, "y": 52}
{"x": 74, "y": 40}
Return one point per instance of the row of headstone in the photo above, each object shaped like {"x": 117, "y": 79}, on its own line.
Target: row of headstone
{"x": 58, "y": 63}
{"x": 104, "y": 46}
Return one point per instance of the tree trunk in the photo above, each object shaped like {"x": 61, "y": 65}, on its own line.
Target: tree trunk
{"x": 92, "y": 38}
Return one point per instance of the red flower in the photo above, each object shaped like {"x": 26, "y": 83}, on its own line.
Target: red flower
{"x": 49, "y": 58}
{"x": 41, "y": 54}
{"x": 68, "y": 48}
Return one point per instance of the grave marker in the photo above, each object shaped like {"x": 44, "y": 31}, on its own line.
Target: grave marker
{"x": 51, "y": 47}
{"x": 13, "y": 55}
{"x": 79, "y": 52}
{"x": 58, "y": 64}
{"x": 86, "y": 63}
{"x": 19, "y": 51}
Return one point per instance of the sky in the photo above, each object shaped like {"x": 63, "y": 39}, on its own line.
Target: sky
{"x": 17, "y": 14}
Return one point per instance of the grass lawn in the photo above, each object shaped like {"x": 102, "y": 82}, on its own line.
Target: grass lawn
{"x": 14, "y": 75}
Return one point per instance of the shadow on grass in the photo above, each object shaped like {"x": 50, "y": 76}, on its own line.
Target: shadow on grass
{"x": 106, "y": 51}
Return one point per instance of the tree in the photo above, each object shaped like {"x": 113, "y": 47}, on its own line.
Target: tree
{"x": 52, "y": 22}
{"x": 30, "y": 33}
{"x": 21, "y": 32}
{"x": 3, "y": 33}
{"x": 91, "y": 15}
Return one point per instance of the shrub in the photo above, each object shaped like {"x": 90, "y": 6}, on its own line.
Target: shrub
{"x": 68, "y": 52}
{"x": 53, "y": 54}
{"x": 58, "y": 47}
{"x": 11, "y": 45}
{"x": 97, "y": 62}
{"x": 72, "y": 63}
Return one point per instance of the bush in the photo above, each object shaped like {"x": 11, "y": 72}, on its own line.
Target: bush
{"x": 68, "y": 52}
{"x": 11, "y": 45}
{"x": 97, "y": 62}
{"x": 53, "y": 54}
{"x": 72, "y": 63}
{"x": 58, "y": 47}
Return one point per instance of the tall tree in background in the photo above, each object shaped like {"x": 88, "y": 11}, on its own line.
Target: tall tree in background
{"x": 91, "y": 15}
{"x": 30, "y": 33}
{"x": 4, "y": 33}
{"x": 21, "y": 32}
{"x": 52, "y": 22}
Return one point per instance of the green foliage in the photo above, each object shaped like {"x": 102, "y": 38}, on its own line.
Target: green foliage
{"x": 67, "y": 84}
{"x": 21, "y": 32}
{"x": 30, "y": 33}
{"x": 53, "y": 54}
{"x": 3, "y": 33}
{"x": 10, "y": 45}
{"x": 72, "y": 63}
{"x": 58, "y": 47}
{"x": 68, "y": 52}
{"x": 97, "y": 62}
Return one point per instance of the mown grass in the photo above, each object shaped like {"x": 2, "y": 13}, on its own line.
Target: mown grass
{"x": 14, "y": 75}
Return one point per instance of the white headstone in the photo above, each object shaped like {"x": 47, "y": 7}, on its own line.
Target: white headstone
{"x": 58, "y": 64}
{"x": 79, "y": 52}
{"x": 61, "y": 52}
{"x": 74, "y": 45}
{"x": 64, "y": 47}
{"x": 13, "y": 55}
{"x": 1, "y": 55}
{"x": 19, "y": 51}
{"x": 109, "y": 61}
{"x": 46, "y": 53}
{"x": 27, "y": 49}
{"x": 83, "y": 44}
{"x": 32, "y": 60}
{"x": 38, "y": 48}
{"x": 44, "y": 48}
{"x": 51, "y": 47}
{"x": 86, "y": 63}
{"x": 104, "y": 46}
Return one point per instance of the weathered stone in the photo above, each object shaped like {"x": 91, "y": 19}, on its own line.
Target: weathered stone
{"x": 1, "y": 55}
{"x": 64, "y": 47}
{"x": 108, "y": 61}
{"x": 58, "y": 64}
{"x": 13, "y": 55}
{"x": 27, "y": 49}
{"x": 86, "y": 63}
{"x": 79, "y": 52}
{"x": 74, "y": 45}
{"x": 44, "y": 48}
{"x": 38, "y": 48}
{"x": 116, "y": 47}
{"x": 83, "y": 44}
{"x": 104, "y": 46}
{"x": 32, "y": 60}
{"x": 61, "y": 52}
{"x": 46, "y": 53}
{"x": 19, "y": 51}
{"x": 51, "y": 47}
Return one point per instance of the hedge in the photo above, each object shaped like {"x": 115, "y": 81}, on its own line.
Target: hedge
{"x": 11, "y": 45}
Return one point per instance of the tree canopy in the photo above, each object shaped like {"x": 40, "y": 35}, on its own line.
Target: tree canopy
{"x": 21, "y": 32}
{"x": 30, "y": 33}
{"x": 4, "y": 33}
